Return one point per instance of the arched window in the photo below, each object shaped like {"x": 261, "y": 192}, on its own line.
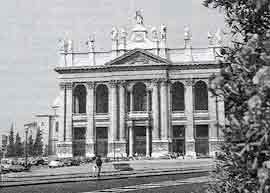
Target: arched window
{"x": 139, "y": 97}
{"x": 79, "y": 99}
{"x": 102, "y": 99}
{"x": 178, "y": 97}
{"x": 201, "y": 96}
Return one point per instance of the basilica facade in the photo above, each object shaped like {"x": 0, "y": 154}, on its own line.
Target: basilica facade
{"x": 139, "y": 98}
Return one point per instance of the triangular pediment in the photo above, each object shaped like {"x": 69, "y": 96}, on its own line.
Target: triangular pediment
{"x": 138, "y": 57}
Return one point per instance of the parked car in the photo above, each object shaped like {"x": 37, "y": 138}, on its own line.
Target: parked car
{"x": 16, "y": 168}
{"x": 70, "y": 162}
{"x": 56, "y": 164}
{"x": 5, "y": 168}
{"x": 46, "y": 160}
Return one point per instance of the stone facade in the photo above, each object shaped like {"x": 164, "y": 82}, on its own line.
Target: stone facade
{"x": 131, "y": 99}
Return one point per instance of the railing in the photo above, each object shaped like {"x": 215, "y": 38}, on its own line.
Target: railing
{"x": 79, "y": 116}
{"x": 139, "y": 114}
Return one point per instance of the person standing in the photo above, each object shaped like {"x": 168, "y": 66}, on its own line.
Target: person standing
{"x": 99, "y": 165}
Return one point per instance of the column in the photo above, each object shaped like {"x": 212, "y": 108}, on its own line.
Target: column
{"x": 163, "y": 147}
{"x": 155, "y": 110}
{"x": 148, "y": 141}
{"x": 189, "y": 132}
{"x": 221, "y": 117}
{"x": 164, "y": 109}
{"x": 121, "y": 146}
{"x": 131, "y": 99}
{"x": 69, "y": 87}
{"x": 147, "y": 100}
{"x": 62, "y": 113}
{"x": 213, "y": 133}
{"x": 131, "y": 141}
{"x": 113, "y": 119}
{"x": 122, "y": 110}
{"x": 90, "y": 134}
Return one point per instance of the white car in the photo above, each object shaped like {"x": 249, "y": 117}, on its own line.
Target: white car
{"x": 55, "y": 164}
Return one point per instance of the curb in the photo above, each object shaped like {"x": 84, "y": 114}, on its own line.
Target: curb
{"x": 109, "y": 177}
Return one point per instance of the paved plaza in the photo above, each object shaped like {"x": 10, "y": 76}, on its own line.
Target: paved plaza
{"x": 83, "y": 172}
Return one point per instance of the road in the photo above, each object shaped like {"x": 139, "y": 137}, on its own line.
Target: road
{"x": 166, "y": 183}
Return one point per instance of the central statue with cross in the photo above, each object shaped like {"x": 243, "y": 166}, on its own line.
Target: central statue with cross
{"x": 139, "y": 17}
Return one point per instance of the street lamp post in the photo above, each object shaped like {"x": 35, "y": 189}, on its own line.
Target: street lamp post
{"x": 26, "y": 146}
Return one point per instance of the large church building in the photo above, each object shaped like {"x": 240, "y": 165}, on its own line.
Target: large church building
{"x": 139, "y": 98}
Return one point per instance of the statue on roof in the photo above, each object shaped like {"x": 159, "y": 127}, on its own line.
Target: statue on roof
{"x": 154, "y": 33}
{"x": 62, "y": 45}
{"x": 91, "y": 42}
{"x": 114, "y": 34}
{"x": 70, "y": 45}
{"x": 139, "y": 17}
{"x": 163, "y": 32}
{"x": 210, "y": 38}
{"x": 187, "y": 33}
{"x": 65, "y": 45}
{"x": 123, "y": 33}
{"x": 219, "y": 36}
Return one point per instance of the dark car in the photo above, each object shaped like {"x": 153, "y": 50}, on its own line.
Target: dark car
{"x": 75, "y": 162}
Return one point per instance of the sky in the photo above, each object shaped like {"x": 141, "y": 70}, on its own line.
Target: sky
{"x": 31, "y": 29}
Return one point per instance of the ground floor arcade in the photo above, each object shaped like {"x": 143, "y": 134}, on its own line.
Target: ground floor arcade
{"x": 141, "y": 143}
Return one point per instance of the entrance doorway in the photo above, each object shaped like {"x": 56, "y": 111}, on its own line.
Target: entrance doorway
{"x": 178, "y": 141}
{"x": 201, "y": 141}
{"x": 140, "y": 140}
{"x": 78, "y": 142}
{"x": 102, "y": 141}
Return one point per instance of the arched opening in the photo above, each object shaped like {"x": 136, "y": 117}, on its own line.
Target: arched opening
{"x": 178, "y": 97}
{"x": 102, "y": 99}
{"x": 79, "y": 99}
{"x": 201, "y": 96}
{"x": 139, "y": 97}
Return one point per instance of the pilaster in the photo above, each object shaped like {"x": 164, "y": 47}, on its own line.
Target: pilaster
{"x": 90, "y": 132}
{"x": 190, "y": 141}
{"x": 69, "y": 87}
{"x": 161, "y": 146}
{"x": 164, "y": 109}
{"x": 155, "y": 109}
{"x": 113, "y": 119}
{"x": 64, "y": 145}
{"x": 213, "y": 128}
{"x": 131, "y": 141}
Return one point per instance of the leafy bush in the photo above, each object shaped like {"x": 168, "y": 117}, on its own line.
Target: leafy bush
{"x": 244, "y": 86}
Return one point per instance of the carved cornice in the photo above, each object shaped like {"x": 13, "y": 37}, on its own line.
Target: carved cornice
{"x": 164, "y": 82}
{"x": 62, "y": 85}
{"x": 123, "y": 83}
{"x": 69, "y": 85}
{"x": 90, "y": 85}
{"x": 95, "y": 69}
{"x": 66, "y": 85}
{"x": 113, "y": 83}
{"x": 155, "y": 82}
{"x": 189, "y": 82}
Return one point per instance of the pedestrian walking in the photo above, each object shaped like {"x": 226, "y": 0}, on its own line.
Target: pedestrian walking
{"x": 98, "y": 165}
{"x": 94, "y": 167}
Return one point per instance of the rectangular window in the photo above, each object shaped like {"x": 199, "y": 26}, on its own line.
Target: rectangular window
{"x": 79, "y": 133}
{"x": 178, "y": 131}
{"x": 201, "y": 131}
